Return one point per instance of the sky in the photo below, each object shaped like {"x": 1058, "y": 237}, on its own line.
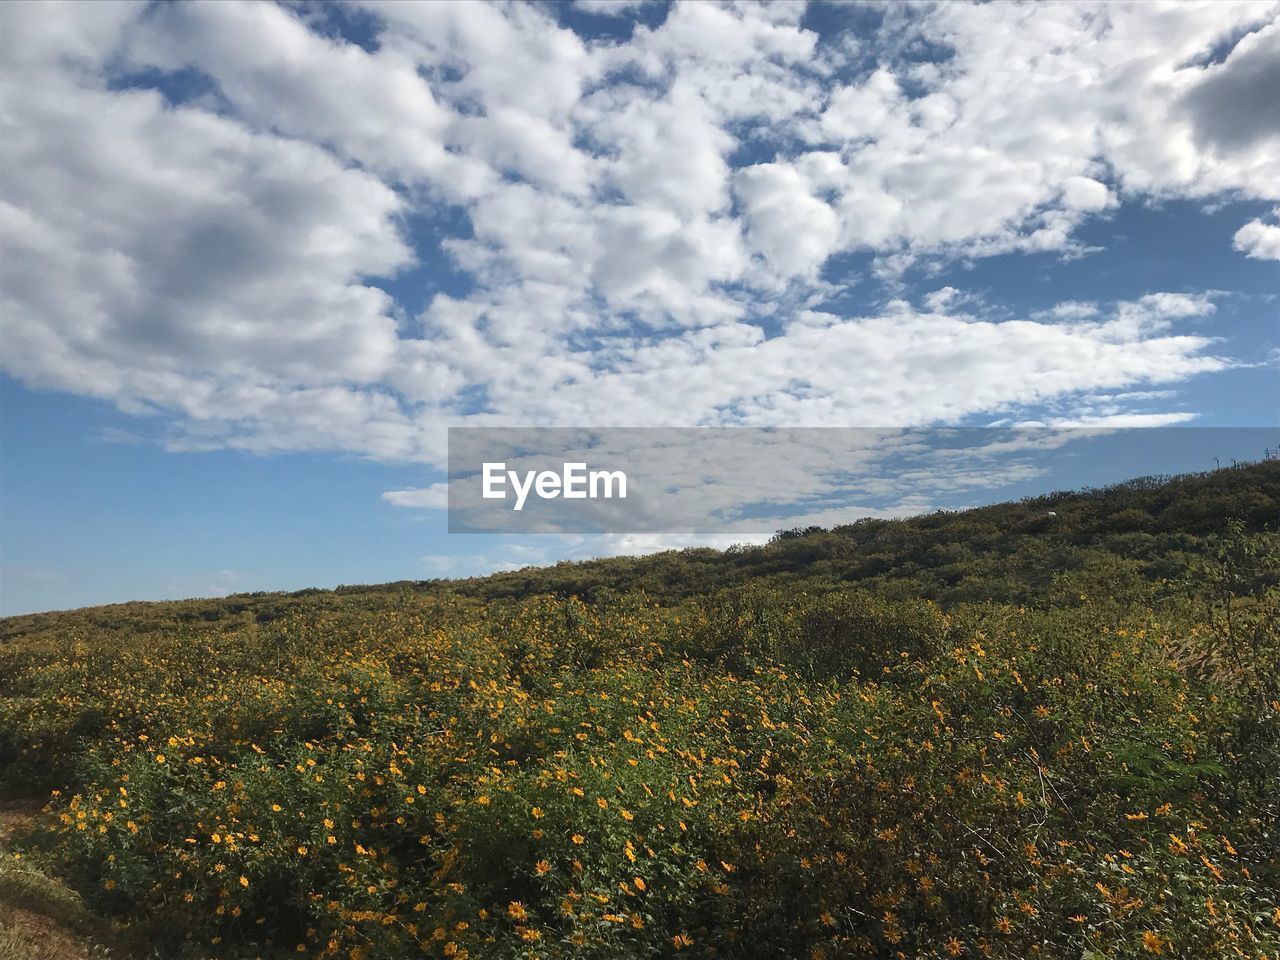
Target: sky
{"x": 257, "y": 258}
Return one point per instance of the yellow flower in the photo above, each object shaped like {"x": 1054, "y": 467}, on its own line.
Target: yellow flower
{"x": 541, "y": 868}
{"x": 681, "y": 940}
{"x": 578, "y": 838}
{"x": 244, "y": 881}
{"x": 1152, "y": 942}
{"x": 516, "y": 910}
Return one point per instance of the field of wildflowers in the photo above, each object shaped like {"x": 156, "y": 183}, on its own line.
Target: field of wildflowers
{"x": 756, "y": 772}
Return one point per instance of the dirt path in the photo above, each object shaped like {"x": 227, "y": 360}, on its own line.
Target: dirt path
{"x": 38, "y": 916}
{"x": 16, "y": 815}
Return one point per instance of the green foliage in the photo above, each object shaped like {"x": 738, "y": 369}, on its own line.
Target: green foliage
{"x": 942, "y": 761}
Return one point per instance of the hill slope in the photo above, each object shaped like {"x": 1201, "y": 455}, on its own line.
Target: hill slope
{"x": 1008, "y": 551}
{"x": 997, "y": 733}
{"x": 1124, "y": 536}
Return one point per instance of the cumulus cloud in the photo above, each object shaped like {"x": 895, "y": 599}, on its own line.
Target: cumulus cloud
{"x": 1258, "y": 240}
{"x": 792, "y": 229}
{"x": 281, "y": 239}
{"x": 1085, "y": 193}
{"x": 435, "y": 497}
{"x": 155, "y": 252}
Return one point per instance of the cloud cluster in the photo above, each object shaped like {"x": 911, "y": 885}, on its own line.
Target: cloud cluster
{"x": 220, "y": 213}
{"x": 1259, "y": 240}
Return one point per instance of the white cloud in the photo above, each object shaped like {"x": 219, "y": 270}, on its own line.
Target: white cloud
{"x": 611, "y": 8}
{"x": 508, "y": 556}
{"x": 1118, "y": 421}
{"x": 645, "y": 222}
{"x": 643, "y": 544}
{"x": 792, "y": 229}
{"x": 164, "y": 256}
{"x": 435, "y": 497}
{"x": 1258, "y": 240}
{"x": 1085, "y": 193}
{"x": 372, "y": 107}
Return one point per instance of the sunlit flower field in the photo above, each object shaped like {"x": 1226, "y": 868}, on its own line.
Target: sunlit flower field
{"x": 755, "y": 774}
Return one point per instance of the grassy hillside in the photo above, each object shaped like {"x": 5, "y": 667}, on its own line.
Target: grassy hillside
{"x": 1143, "y": 529}
{"x": 1048, "y": 728}
{"x": 1130, "y": 535}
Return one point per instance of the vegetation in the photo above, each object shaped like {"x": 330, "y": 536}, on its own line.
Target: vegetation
{"x": 40, "y": 918}
{"x": 996, "y": 733}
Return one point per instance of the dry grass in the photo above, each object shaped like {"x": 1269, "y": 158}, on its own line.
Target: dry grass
{"x": 28, "y": 935}
{"x": 40, "y": 919}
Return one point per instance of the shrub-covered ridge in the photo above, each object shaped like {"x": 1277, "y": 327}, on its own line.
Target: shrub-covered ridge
{"x": 755, "y": 772}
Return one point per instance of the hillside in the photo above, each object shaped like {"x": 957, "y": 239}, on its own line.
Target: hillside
{"x": 1048, "y": 728}
{"x": 1146, "y": 528}
{"x": 1130, "y": 535}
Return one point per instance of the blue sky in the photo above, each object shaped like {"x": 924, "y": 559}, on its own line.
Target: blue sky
{"x": 256, "y": 258}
